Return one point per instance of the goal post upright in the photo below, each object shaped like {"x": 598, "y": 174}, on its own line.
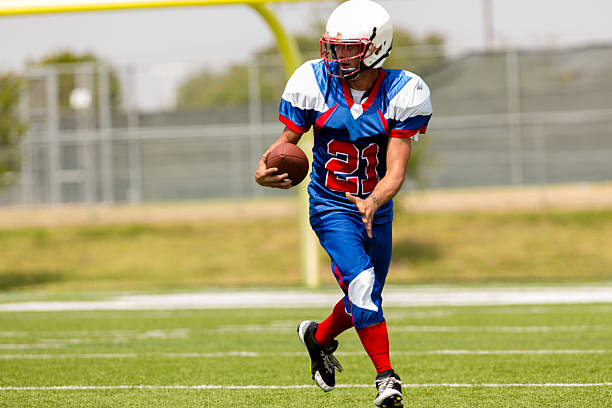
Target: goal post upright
{"x": 292, "y": 59}
{"x": 288, "y": 48}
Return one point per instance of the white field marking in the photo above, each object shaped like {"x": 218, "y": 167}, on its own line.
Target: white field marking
{"x": 418, "y": 314}
{"x": 111, "y": 337}
{"x": 494, "y": 329}
{"x": 64, "y": 356}
{"x": 283, "y": 387}
{"x": 92, "y": 337}
{"x": 498, "y": 352}
{"x": 137, "y": 334}
{"x": 393, "y": 353}
{"x": 123, "y": 336}
{"x": 416, "y": 296}
{"x": 286, "y": 354}
{"x": 28, "y": 346}
{"x": 414, "y": 328}
{"x": 15, "y": 333}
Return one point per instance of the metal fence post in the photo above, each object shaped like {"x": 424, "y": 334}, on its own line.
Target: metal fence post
{"x": 236, "y": 177}
{"x": 134, "y": 193}
{"x": 514, "y": 117}
{"x": 83, "y": 77}
{"x": 105, "y": 132}
{"x": 541, "y": 166}
{"x": 52, "y": 135}
{"x": 26, "y": 153}
{"x": 256, "y": 144}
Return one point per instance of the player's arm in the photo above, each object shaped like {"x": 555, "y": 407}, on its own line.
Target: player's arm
{"x": 398, "y": 153}
{"x": 267, "y": 176}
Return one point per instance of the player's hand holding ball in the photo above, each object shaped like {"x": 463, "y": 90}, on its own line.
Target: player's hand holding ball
{"x": 283, "y": 167}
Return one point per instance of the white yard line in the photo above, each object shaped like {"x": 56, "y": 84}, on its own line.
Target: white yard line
{"x": 414, "y": 296}
{"x": 284, "y": 387}
{"x": 24, "y": 346}
{"x": 64, "y": 356}
{"x": 494, "y": 329}
{"x": 251, "y": 354}
{"x": 89, "y": 336}
{"x": 55, "y": 340}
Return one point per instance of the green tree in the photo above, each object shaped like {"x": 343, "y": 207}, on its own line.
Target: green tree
{"x": 67, "y": 82}
{"x": 11, "y": 128}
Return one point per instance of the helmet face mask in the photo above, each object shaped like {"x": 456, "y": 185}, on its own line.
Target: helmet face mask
{"x": 358, "y": 36}
{"x": 347, "y": 53}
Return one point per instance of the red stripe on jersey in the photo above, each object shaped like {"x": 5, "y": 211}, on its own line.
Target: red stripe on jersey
{"x": 325, "y": 116}
{"x": 372, "y": 96}
{"x": 384, "y": 122}
{"x": 347, "y": 93}
{"x": 291, "y": 125}
{"x": 408, "y": 132}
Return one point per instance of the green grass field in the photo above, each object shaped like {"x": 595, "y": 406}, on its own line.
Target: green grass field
{"x": 482, "y": 247}
{"x": 502, "y": 356}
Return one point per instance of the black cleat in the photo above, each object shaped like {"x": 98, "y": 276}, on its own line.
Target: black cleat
{"x": 389, "y": 389}
{"x": 322, "y": 361}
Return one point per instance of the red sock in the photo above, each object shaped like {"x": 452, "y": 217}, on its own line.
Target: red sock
{"x": 337, "y": 322}
{"x": 375, "y": 340}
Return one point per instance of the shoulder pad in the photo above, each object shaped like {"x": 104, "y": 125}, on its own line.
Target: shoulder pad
{"x": 302, "y": 90}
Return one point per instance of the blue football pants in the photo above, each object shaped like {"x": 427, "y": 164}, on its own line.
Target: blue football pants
{"x": 359, "y": 263}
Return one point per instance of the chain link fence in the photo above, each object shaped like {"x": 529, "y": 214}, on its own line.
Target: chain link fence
{"x": 500, "y": 118}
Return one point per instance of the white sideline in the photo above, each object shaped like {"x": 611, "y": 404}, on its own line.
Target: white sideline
{"x": 284, "y": 387}
{"x": 53, "y": 339}
{"x": 251, "y": 354}
{"x": 412, "y": 296}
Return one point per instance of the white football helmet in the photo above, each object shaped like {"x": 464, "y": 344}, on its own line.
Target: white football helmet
{"x": 356, "y": 22}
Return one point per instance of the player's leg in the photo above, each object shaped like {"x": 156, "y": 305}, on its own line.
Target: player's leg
{"x": 321, "y": 338}
{"x": 338, "y": 234}
{"x": 361, "y": 265}
{"x": 373, "y": 331}
{"x": 375, "y": 338}
{"x": 323, "y": 363}
{"x": 337, "y": 322}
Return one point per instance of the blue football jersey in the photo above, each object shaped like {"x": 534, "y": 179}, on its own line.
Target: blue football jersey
{"x": 350, "y": 144}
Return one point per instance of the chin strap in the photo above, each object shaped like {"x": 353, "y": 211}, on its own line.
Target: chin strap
{"x": 352, "y": 75}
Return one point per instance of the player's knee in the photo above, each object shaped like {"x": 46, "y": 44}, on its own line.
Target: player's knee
{"x": 366, "y": 310}
{"x": 360, "y": 290}
{"x": 364, "y": 318}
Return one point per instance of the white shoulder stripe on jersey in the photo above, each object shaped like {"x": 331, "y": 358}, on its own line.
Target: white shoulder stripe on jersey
{"x": 302, "y": 90}
{"x": 412, "y": 100}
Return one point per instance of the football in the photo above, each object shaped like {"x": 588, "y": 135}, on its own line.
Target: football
{"x": 290, "y": 159}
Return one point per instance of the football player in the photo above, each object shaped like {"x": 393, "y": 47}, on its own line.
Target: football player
{"x": 364, "y": 118}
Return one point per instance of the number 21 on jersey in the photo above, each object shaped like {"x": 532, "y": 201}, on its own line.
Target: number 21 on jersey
{"x": 342, "y": 168}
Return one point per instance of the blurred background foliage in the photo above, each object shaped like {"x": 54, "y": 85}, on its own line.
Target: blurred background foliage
{"x": 11, "y": 128}
{"x": 207, "y": 89}
{"x": 68, "y": 81}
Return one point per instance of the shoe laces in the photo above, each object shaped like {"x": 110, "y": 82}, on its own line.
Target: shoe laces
{"x": 386, "y": 383}
{"x": 330, "y": 361}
